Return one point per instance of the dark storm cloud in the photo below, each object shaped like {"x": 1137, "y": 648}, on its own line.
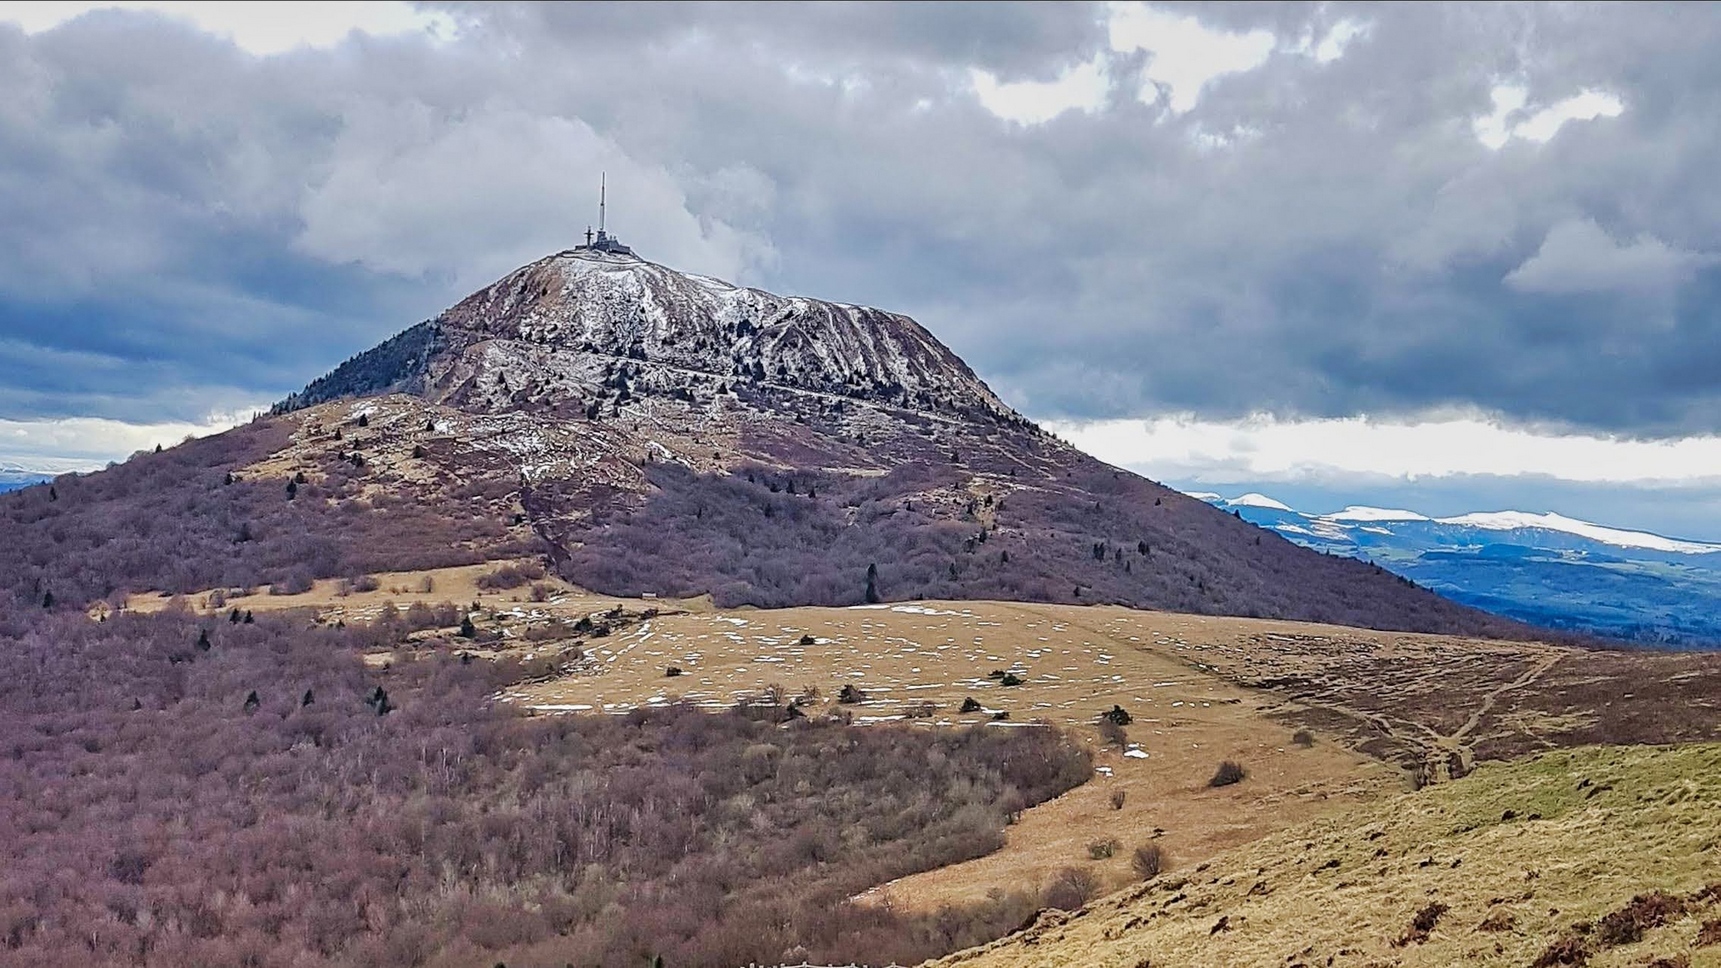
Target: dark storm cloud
{"x": 1313, "y": 238}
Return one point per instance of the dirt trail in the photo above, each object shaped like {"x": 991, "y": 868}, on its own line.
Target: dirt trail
{"x": 1488, "y": 700}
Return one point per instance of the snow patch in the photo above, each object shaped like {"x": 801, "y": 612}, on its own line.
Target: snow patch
{"x": 1255, "y": 500}
{"x": 1358, "y": 512}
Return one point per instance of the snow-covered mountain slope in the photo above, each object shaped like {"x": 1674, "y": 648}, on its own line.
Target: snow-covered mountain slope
{"x": 1358, "y": 512}
{"x": 1545, "y": 568}
{"x": 1253, "y": 500}
{"x": 1618, "y": 537}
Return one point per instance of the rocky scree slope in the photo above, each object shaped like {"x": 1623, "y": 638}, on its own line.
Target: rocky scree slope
{"x": 654, "y": 431}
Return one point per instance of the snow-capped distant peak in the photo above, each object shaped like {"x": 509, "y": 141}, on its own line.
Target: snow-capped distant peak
{"x": 1202, "y": 495}
{"x": 1357, "y": 512}
{"x": 1512, "y": 520}
{"x": 1254, "y": 500}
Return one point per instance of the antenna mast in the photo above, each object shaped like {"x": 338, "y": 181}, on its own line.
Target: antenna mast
{"x": 603, "y": 177}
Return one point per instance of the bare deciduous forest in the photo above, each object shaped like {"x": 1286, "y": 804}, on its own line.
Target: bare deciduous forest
{"x": 182, "y": 792}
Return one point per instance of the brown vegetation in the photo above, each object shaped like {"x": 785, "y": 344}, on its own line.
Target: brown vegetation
{"x": 1148, "y": 861}
{"x": 1229, "y": 772}
{"x": 1422, "y": 925}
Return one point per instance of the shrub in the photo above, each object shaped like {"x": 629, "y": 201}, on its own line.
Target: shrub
{"x": 1422, "y": 924}
{"x": 1645, "y": 911}
{"x": 510, "y": 576}
{"x": 1229, "y": 772}
{"x": 1117, "y": 798}
{"x": 1113, "y": 734}
{"x": 1116, "y": 714}
{"x": 1564, "y": 951}
{"x": 296, "y": 583}
{"x": 970, "y": 705}
{"x": 1303, "y": 738}
{"x": 1148, "y": 861}
{"x": 1103, "y": 849}
{"x": 1069, "y": 889}
{"x": 672, "y": 672}
{"x": 1010, "y": 679}
{"x": 850, "y": 695}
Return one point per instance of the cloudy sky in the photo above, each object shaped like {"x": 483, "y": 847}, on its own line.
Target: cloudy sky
{"x": 1448, "y": 257}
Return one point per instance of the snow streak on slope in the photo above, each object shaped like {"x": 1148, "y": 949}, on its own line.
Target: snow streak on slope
{"x": 624, "y": 307}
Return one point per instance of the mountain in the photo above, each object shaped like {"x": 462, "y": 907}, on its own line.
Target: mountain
{"x": 651, "y": 431}
{"x": 1543, "y": 568}
{"x": 13, "y": 477}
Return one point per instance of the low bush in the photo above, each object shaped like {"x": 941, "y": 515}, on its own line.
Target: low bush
{"x": 510, "y": 576}
{"x": 1422, "y": 924}
{"x": 1070, "y": 888}
{"x": 1303, "y": 738}
{"x": 297, "y": 582}
{"x": 1113, "y": 734}
{"x": 1645, "y": 911}
{"x": 1229, "y": 772}
{"x": 1148, "y": 861}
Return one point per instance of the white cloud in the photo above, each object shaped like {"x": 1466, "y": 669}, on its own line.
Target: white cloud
{"x": 1578, "y": 256}
{"x": 1265, "y": 449}
{"x": 1080, "y": 87}
{"x": 1186, "y": 54}
{"x": 519, "y": 184}
{"x": 1331, "y": 45}
{"x": 261, "y": 27}
{"x": 89, "y": 443}
{"x": 1511, "y": 117}
{"x": 1338, "y": 39}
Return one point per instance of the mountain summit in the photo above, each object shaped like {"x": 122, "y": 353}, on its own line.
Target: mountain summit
{"x": 652, "y": 431}
{"x": 672, "y": 433}
{"x": 561, "y": 327}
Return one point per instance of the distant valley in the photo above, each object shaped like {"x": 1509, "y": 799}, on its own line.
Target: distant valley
{"x": 1545, "y": 569}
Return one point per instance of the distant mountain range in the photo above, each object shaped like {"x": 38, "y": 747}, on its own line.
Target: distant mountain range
{"x": 1546, "y": 569}
{"x": 13, "y": 478}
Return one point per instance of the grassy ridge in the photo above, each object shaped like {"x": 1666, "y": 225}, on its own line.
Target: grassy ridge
{"x": 1533, "y": 862}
